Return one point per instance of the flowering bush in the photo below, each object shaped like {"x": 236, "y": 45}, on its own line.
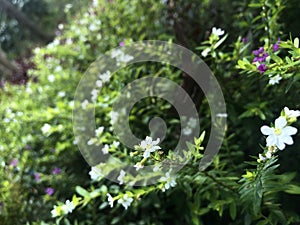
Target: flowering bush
{"x": 44, "y": 178}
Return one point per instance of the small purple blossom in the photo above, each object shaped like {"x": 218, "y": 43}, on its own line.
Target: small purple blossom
{"x": 122, "y": 43}
{"x": 262, "y": 68}
{"x": 49, "y": 191}
{"x": 14, "y": 162}
{"x": 260, "y": 55}
{"x": 276, "y": 45}
{"x": 56, "y": 170}
{"x": 37, "y": 177}
{"x": 244, "y": 40}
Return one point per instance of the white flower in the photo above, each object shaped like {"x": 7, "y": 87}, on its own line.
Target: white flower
{"x": 124, "y": 58}
{"x": 99, "y": 131}
{"x": 84, "y": 104}
{"x": 105, "y": 76}
{"x": 110, "y": 200}
{"x": 95, "y": 173}
{"x": 116, "y": 52}
{"x": 115, "y": 144}
{"x": 269, "y": 155}
{"x": 121, "y": 176}
{"x": 261, "y": 157}
{"x": 68, "y": 207}
{"x": 99, "y": 83}
{"x": 149, "y": 146}
{"x": 205, "y": 52}
{"x": 291, "y": 113}
{"x": 275, "y": 79}
{"x": 94, "y": 94}
{"x": 156, "y": 168}
{"x": 46, "y": 128}
{"x": 125, "y": 201}
{"x": 187, "y": 131}
{"x": 217, "y": 31}
{"x": 138, "y": 166}
{"x": 55, "y": 211}
{"x": 192, "y": 122}
{"x": 92, "y": 27}
{"x": 169, "y": 180}
{"x": 61, "y": 94}
{"x": 105, "y": 149}
{"x": 280, "y": 135}
{"x": 58, "y": 69}
{"x": 113, "y": 117}
{"x": 91, "y": 141}
{"x": 60, "y": 26}
{"x": 51, "y": 78}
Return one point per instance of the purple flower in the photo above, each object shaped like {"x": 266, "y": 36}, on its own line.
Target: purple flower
{"x": 260, "y": 55}
{"x": 37, "y": 177}
{"x": 56, "y": 170}
{"x": 244, "y": 40}
{"x": 276, "y": 46}
{"x": 49, "y": 191}
{"x": 122, "y": 43}
{"x": 14, "y": 162}
{"x": 262, "y": 68}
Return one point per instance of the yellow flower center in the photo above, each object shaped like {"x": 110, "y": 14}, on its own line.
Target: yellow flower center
{"x": 278, "y": 131}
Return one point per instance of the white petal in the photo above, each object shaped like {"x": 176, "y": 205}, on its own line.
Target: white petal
{"x": 267, "y": 130}
{"x": 280, "y": 122}
{"x": 148, "y": 139}
{"x": 286, "y": 110}
{"x": 154, "y": 148}
{"x": 143, "y": 144}
{"x": 156, "y": 142}
{"x": 289, "y": 130}
{"x": 280, "y": 144}
{"x": 271, "y": 140}
{"x": 146, "y": 154}
{"x": 287, "y": 139}
{"x": 268, "y": 155}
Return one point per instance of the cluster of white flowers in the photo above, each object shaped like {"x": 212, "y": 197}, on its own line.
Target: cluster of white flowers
{"x": 191, "y": 124}
{"x": 125, "y": 200}
{"x": 148, "y": 145}
{"x": 168, "y": 180}
{"x": 280, "y": 135}
{"x": 103, "y": 78}
{"x": 120, "y": 56}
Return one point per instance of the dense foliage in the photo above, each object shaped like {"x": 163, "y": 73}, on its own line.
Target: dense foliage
{"x": 253, "y": 180}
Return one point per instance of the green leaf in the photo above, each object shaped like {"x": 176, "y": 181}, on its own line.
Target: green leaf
{"x": 293, "y": 189}
{"x": 276, "y": 58}
{"x": 232, "y": 210}
{"x": 220, "y": 41}
{"x": 81, "y": 191}
{"x": 241, "y": 64}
